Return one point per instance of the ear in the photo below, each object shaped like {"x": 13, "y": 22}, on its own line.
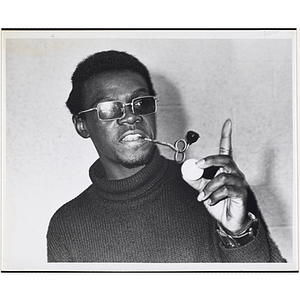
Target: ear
{"x": 80, "y": 126}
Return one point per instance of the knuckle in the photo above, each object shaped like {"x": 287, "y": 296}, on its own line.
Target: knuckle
{"x": 225, "y": 189}
{"x": 223, "y": 177}
{"x": 243, "y": 177}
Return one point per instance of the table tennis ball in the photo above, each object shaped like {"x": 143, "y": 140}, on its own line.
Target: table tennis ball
{"x": 190, "y": 170}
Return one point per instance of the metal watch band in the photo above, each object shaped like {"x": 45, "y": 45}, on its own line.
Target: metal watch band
{"x": 245, "y": 237}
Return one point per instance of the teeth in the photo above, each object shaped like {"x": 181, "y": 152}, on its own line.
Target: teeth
{"x": 131, "y": 137}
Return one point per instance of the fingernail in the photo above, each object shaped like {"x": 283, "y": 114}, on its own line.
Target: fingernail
{"x": 201, "y": 196}
{"x": 200, "y": 163}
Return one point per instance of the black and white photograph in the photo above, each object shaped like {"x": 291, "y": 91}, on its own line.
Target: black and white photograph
{"x": 149, "y": 150}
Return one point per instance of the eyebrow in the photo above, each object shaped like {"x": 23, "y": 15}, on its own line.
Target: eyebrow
{"x": 135, "y": 94}
{"x": 138, "y": 91}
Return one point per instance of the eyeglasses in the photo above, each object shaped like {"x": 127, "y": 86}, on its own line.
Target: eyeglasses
{"x": 111, "y": 110}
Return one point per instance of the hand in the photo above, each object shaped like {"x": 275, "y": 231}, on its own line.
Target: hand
{"x": 224, "y": 196}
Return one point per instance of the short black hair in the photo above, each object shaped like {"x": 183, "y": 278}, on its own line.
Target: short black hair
{"x": 98, "y": 63}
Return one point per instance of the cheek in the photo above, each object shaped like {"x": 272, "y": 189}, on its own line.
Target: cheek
{"x": 102, "y": 134}
{"x": 151, "y": 123}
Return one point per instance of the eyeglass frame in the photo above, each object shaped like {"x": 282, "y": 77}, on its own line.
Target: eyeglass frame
{"x": 123, "y": 108}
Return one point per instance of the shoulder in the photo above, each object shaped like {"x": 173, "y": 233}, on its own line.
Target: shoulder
{"x": 72, "y": 208}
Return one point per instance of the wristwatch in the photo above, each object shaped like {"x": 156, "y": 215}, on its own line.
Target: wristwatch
{"x": 242, "y": 238}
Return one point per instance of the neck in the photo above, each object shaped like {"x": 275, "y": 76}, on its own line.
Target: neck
{"x": 117, "y": 172}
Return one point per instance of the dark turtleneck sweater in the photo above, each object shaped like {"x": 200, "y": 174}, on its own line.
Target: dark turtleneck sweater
{"x": 152, "y": 216}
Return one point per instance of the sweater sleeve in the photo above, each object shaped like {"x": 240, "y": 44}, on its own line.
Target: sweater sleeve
{"x": 261, "y": 249}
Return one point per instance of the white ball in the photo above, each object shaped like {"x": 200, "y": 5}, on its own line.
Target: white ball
{"x": 190, "y": 170}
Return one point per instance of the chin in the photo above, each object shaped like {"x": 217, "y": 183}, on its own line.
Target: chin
{"x": 137, "y": 160}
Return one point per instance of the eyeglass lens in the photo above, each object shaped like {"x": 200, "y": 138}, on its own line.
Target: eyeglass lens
{"x": 110, "y": 110}
{"x": 144, "y": 106}
{"x": 114, "y": 109}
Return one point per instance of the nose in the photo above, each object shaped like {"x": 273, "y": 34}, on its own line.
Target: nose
{"x": 129, "y": 116}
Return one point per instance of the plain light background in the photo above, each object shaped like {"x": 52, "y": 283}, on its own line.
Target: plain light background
{"x": 200, "y": 81}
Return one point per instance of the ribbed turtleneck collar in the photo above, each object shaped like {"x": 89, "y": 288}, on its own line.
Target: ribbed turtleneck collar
{"x": 130, "y": 187}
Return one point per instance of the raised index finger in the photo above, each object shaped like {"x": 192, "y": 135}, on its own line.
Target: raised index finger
{"x": 225, "y": 143}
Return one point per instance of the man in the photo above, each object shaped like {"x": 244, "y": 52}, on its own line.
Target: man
{"x": 139, "y": 208}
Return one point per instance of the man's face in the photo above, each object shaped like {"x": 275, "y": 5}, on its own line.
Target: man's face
{"x": 118, "y": 142}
